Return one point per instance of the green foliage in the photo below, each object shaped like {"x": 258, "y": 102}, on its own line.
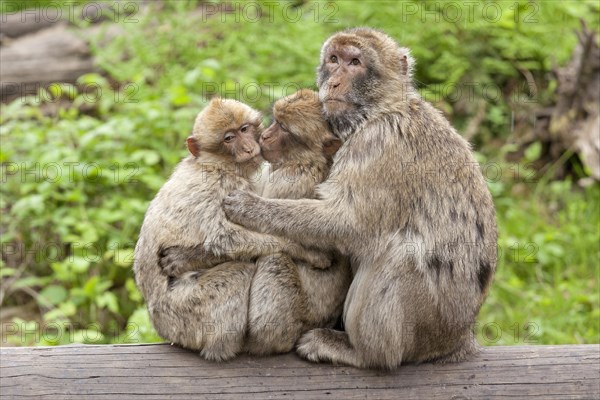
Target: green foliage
{"x": 76, "y": 189}
{"x": 546, "y": 286}
{"x": 76, "y": 184}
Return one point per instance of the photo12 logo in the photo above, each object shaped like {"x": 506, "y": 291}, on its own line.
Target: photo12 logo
{"x": 271, "y": 11}
{"x": 469, "y": 11}
{"x": 70, "y": 171}
{"x": 71, "y": 11}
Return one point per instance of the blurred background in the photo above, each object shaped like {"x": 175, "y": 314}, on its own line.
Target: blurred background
{"x": 98, "y": 97}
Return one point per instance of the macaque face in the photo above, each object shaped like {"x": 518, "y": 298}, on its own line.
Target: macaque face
{"x": 272, "y": 142}
{"x": 241, "y": 143}
{"x": 299, "y": 132}
{"x": 277, "y": 142}
{"x": 343, "y": 77}
{"x": 226, "y": 128}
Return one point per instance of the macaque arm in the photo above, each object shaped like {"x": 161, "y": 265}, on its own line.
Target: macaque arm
{"x": 238, "y": 243}
{"x": 311, "y": 223}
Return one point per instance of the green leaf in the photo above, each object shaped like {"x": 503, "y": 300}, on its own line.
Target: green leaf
{"x": 108, "y": 300}
{"x": 191, "y": 77}
{"x": 179, "y": 95}
{"x": 89, "y": 336}
{"x": 533, "y": 151}
{"x": 140, "y": 329}
{"x": 79, "y": 264}
{"x": 59, "y": 90}
{"x": 6, "y": 271}
{"x": 150, "y": 157}
{"x": 211, "y": 63}
{"x": 28, "y": 205}
{"x": 53, "y": 294}
{"x": 30, "y": 281}
{"x": 63, "y": 311}
{"x": 92, "y": 80}
{"x": 133, "y": 291}
{"x": 90, "y": 287}
{"x": 124, "y": 257}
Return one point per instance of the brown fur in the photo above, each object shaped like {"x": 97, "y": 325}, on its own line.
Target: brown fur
{"x": 206, "y": 309}
{"x": 287, "y": 298}
{"x": 405, "y": 199}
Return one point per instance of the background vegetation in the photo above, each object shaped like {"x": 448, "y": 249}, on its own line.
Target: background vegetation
{"x": 76, "y": 183}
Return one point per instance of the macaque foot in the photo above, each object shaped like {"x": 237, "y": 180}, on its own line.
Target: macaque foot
{"x": 327, "y": 345}
{"x": 173, "y": 262}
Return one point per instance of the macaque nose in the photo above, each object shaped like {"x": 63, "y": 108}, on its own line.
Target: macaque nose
{"x": 248, "y": 149}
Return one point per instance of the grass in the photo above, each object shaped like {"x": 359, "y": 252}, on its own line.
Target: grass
{"x": 67, "y": 242}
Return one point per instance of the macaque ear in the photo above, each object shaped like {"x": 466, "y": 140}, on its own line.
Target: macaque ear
{"x": 331, "y": 145}
{"x": 193, "y": 146}
{"x": 407, "y": 62}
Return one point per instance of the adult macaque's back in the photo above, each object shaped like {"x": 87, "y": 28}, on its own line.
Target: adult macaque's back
{"x": 407, "y": 202}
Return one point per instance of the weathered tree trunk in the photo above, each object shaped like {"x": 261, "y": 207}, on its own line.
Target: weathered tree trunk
{"x": 574, "y": 122}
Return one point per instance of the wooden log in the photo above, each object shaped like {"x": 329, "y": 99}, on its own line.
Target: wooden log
{"x": 52, "y": 55}
{"x": 14, "y": 24}
{"x": 24, "y": 22}
{"x": 160, "y": 371}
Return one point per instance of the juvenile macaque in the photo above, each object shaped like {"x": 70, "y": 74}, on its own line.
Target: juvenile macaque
{"x": 193, "y": 302}
{"x": 405, "y": 199}
{"x": 287, "y": 298}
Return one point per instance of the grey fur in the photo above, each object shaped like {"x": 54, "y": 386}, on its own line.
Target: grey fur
{"x": 287, "y": 298}
{"x": 205, "y": 310}
{"x": 406, "y": 200}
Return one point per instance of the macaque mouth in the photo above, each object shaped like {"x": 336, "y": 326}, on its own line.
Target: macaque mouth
{"x": 255, "y": 156}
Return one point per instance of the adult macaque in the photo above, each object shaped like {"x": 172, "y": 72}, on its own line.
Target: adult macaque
{"x": 287, "y": 298}
{"x": 405, "y": 199}
{"x": 185, "y": 230}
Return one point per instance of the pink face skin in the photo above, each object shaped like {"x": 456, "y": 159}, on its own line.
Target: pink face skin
{"x": 343, "y": 64}
{"x": 271, "y": 142}
{"x": 240, "y": 143}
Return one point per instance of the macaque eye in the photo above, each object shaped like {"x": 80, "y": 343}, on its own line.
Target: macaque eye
{"x": 244, "y": 128}
{"x": 355, "y": 61}
{"x": 333, "y": 59}
{"x": 229, "y": 137}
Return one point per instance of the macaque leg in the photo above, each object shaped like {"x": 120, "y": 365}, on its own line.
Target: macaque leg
{"x": 376, "y": 335}
{"x": 276, "y": 303}
{"x": 207, "y": 311}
